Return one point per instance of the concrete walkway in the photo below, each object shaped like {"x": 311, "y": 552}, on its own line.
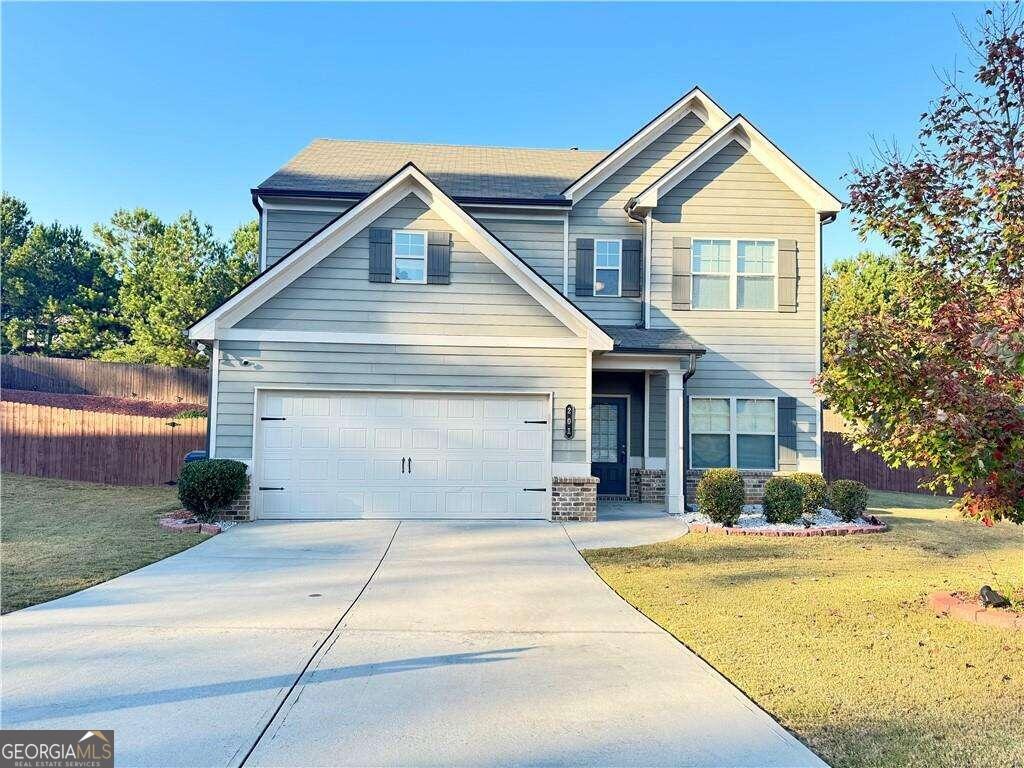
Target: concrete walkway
{"x": 370, "y": 643}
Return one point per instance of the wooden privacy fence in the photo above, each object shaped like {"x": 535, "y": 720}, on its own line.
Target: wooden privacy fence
{"x": 841, "y": 461}
{"x": 162, "y": 383}
{"x": 96, "y": 447}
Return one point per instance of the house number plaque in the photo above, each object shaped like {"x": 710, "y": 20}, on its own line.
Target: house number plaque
{"x": 570, "y": 422}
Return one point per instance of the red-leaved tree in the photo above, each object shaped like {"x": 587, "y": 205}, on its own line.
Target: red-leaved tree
{"x": 935, "y": 378}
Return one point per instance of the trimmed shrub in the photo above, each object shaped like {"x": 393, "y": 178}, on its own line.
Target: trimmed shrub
{"x": 783, "y": 500}
{"x": 208, "y": 486}
{"x": 815, "y": 491}
{"x": 849, "y": 498}
{"x": 720, "y": 495}
{"x": 191, "y": 413}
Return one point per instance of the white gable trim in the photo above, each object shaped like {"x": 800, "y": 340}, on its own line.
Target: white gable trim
{"x": 409, "y": 180}
{"x": 696, "y": 102}
{"x": 741, "y": 130}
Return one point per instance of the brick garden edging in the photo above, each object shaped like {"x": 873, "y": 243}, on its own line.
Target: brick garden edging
{"x": 182, "y": 522}
{"x": 838, "y": 530}
{"x": 958, "y": 608}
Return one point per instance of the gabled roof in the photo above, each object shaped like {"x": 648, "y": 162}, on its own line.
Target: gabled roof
{"x": 407, "y": 180}
{"x": 353, "y": 169}
{"x": 695, "y": 101}
{"x": 650, "y": 340}
{"x": 741, "y": 130}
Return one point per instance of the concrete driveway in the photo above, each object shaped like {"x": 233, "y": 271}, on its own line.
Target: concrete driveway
{"x": 371, "y": 643}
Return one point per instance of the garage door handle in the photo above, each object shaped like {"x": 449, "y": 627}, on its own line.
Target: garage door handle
{"x": 272, "y": 418}
{"x": 271, "y": 488}
{"x": 403, "y": 465}
{"x": 410, "y": 465}
{"x": 534, "y": 422}
{"x": 535, "y": 489}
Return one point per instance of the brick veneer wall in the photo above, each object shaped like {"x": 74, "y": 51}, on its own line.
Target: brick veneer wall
{"x": 574, "y": 498}
{"x": 239, "y": 510}
{"x": 647, "y": 486}
{"x": 753, "y": 482}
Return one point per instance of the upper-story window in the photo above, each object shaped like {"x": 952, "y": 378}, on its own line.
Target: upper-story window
{"x": 409, "y": 256}
{"x": 734, "y": 274}
{"x": 607, "y": 267}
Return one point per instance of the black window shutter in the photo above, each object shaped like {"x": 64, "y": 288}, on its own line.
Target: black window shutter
{"x": 787, "y": 434}
{"x": 632, "y": 267}
{"x": 380, "y": 255}
{"x": 681, "y": 273}
{"x": 439, "y": 258}
{"x": 584, "y": 266}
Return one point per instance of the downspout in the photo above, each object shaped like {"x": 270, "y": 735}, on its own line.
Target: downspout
{"x": 646, "y": 221}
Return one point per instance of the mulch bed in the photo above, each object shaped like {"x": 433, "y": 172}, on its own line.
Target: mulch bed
{"x": 123, "y": 405}
{"x": 835, "y": 530}
{"x": 182, "y": 521}
{"x": 969, "y": 608}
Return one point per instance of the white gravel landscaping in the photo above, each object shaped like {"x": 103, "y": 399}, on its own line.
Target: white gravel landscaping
{"x": 753, "y": 517}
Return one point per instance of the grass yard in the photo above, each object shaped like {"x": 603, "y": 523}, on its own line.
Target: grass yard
{"x": 59, "y": 536}
{"x": 833, "y": 636}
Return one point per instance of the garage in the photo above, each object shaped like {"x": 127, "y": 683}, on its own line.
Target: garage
{"x": 397, "y": 455}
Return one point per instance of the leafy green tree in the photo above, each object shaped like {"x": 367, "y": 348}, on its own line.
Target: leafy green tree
{"x": 171, "y": 275}
{"x": 57, "y": 296}
{"x": 928, "y": 367}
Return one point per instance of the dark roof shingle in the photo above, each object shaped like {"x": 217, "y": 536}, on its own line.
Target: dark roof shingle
{"x": 330, "y": 166}
{"x": 629, "y": 339}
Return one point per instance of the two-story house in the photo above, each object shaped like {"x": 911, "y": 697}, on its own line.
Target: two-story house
{"x": 491, "y": 332}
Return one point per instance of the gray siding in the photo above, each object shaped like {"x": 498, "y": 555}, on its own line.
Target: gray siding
{"x": 749, "y": 353}
{"x": 336, "y": 295}
{"x": 600, "y": 214}
{"x": 658, "y": 414}
{"x": 287, "y": 228}
{"x": 388, "y": 367}
{"x": 538, "y": 243}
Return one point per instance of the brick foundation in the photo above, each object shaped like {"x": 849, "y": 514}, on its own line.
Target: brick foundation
{"x": 647, "y": 486}
{"x": 753, "y": 482}
{"x": 239, "y": 511}
{"x": 574, "y": 498}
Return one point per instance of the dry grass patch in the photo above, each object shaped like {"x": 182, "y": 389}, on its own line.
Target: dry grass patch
{"x": 59, "y": 536}
{"x": 834, "y": 636}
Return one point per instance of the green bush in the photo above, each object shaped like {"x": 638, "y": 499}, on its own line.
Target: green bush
{"x": 208, "y": 486}
{"x": 720, "y": 495}
{"x": 783, "y": 500}
{"x": 849, "y": 498}
{"x": 815, "y": 491}
{"x": 191, "y": 413}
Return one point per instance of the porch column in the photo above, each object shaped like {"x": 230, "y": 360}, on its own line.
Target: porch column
{"x": 675, "y": 481}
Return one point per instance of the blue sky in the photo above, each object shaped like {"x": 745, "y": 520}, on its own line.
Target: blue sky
{"x": 189, "y": 105}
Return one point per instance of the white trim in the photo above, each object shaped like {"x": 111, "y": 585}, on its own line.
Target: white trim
{"x": 565, "y": 255}
{"x": 589, "y": 396}
{"x": 733, "y": 430}
{"x": 629, "y": 402}
{"x": 821, "y": 322}
{"x": 625, "y": 361}
{"x": 648, "y": 259}
{"x": 656, "y": 462}
{"x": 394, "y": 256}
{"x": 410, "y": 180}
{"x": 695, "y": 102}
{"x": 555, "y": 216}
{"x": 255, "y": 499}
{"x": 408, "y": 339}
{"x": 618, "y": 293}
{"x": 301, "y": 206}
{"x": 675, "y": 451}
{"x": 263, "y": 239}
{"x": 570, "y": 469}
{"x": 734, "y": 274}
{"x": 740, "y": 129}
{"x": 647, "y": 418}
{"x": 214, "y": 394}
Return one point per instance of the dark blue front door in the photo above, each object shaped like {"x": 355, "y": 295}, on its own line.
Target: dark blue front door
{"x": 608, "y": 444}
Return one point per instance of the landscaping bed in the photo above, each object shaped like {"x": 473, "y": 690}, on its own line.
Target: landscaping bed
{"x": 60, "y": 536}
{"x": 752, "y": 522}
{"x": 836, "y": 637}
{"x": 123, "y": 405}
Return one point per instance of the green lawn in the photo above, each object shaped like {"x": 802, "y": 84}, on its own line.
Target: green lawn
{"x": 59, "y": 536}
{"x": 833, "y": 636}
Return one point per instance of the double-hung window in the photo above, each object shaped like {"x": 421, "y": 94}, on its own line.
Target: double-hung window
{"x": 409, "y": 256}
{"x": 735, "y": 432}
{"x": 734, "y": 274}
{"x": 607, "y": 267}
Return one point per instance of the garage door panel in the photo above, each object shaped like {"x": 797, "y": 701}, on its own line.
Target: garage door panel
{"x": 340, "y": 455}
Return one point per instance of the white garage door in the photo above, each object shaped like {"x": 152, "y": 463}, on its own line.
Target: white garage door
{"x": 402, "y": 455}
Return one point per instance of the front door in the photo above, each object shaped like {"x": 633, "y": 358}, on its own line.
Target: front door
{"x": 608, "y": 445}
